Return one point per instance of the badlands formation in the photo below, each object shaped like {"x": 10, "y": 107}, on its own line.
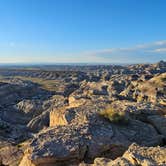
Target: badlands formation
{"x": 99, "y": 115}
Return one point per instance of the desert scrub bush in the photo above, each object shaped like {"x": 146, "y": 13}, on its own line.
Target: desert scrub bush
{"x": 113, "y": 116}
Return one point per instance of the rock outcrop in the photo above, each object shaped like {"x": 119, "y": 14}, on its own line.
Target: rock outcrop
{"x": 56, "y": 112}
{"x": 74, "y": 142}
{"x": 152, "y": 90}
{"x": 135, "y": 155}
{"x": 10, "y": 155}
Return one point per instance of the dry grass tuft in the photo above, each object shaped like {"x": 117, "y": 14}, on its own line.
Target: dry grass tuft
{"x": 114, "y": 116}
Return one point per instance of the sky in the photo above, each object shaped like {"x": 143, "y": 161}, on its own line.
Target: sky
{"x": 82, "y": 31}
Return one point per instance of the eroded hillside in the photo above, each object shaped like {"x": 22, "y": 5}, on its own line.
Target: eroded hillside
{"x": 83, "y": 115}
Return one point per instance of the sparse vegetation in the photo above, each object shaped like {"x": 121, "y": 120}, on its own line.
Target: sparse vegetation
{"x": 50, "y": 112}
{"x": 50, "y": 85}
{"x": 113, "y": 116}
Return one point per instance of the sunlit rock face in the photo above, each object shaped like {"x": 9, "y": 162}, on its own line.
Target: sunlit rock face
{"x": 58, "y": 117}
{"x": 10, "y": 155}
{"x": 135, "y": 155}
{"x": 71, "y": 140}
{"x": 53, "y": 116}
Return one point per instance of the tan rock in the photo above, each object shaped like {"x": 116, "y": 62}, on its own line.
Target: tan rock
{"x": 146, "y": 156}
{"x": 10, "y": 155}
{"x": 67, "y": 115}
{"x": 64, "y": 144}
{"x": 60, "y": 117}
{"x": 120, "y": 161}
{"x": 26, "y": 162}
{"x": 74, "y": 102}
{"x": 136, "y": 155}
{"x": 55, "y": 147}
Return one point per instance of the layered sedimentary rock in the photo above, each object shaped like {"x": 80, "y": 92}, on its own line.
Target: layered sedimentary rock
{"x": 135, "y": 155}
{"x": 76, "y": 141}
{"x": 57, "y": 111}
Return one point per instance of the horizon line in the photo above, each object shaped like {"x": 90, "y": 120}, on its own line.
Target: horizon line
{"x": 74, "y": 63}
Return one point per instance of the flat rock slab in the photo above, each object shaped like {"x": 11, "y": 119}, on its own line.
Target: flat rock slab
{"x": 71, "y": 144}
{"x": 134, "y": 156}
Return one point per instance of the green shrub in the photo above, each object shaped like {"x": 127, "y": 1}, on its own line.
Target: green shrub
{"x": 113, "y": 116}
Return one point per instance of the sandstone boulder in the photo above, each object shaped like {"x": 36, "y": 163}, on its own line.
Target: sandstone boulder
{"x": 146, "y": 156}
{"x": 58, "y": 145}
{"x": 120, "y": 161}
{"x": 73, "y": 143}
{"x": 75, "y": 101}
{"x": 135, "y": 155}
{"x": 10, "y": 155}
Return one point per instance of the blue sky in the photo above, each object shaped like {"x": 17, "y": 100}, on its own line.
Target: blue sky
{"x": 102, "y": 31}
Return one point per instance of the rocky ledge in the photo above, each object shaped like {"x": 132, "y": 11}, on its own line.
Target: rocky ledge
{"x": 134, "y": 156}
{"x": 83, "y": 116}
